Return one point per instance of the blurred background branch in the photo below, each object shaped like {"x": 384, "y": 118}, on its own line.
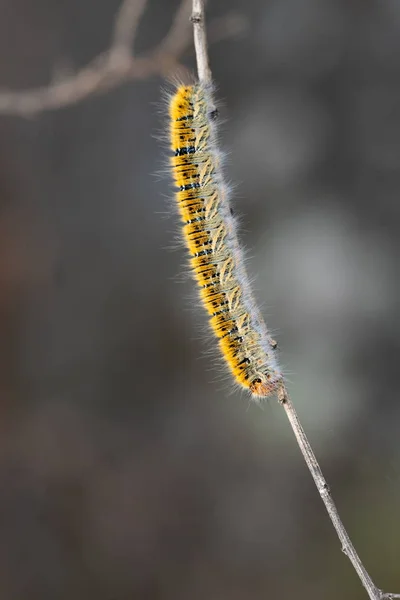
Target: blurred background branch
{"x": 119, "y": 64}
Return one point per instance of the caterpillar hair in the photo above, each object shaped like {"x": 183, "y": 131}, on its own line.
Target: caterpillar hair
{"x": 209, "y": 231}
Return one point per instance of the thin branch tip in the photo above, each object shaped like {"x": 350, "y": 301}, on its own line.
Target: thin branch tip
{"x": 323, "y": 488}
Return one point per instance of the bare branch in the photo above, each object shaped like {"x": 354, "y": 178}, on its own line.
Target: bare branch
{"x": 125, "y": 25}
{"x": 204, "y": 72}
{"x": 324, "y": 491}
{"x": 347, "y": 547}
{"x": 179, "y": 36}
{"x": 200, "y": 41}
{"x": 118, "y": 64}
{"x": 175, "y": 43}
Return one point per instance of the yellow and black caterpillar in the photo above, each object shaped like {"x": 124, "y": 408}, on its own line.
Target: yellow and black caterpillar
{"x": 209, "y": 230}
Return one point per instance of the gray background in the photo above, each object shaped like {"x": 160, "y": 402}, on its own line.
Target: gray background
{"x": 127, "y": 468}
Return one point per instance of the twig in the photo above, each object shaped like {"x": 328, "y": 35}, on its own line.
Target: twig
{"x": 200, "y": 41}
{"x": 125, "y": 25}
{"x": 118, "y": 64}
{"x": 179, "y": 36}
{"x": 204, "y": 72}
{"x": 325, "y": 493}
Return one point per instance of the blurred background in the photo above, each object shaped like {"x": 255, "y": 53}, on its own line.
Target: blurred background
{"x": 128, "y": 469}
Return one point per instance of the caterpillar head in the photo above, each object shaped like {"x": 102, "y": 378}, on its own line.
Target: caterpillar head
{"x": 265, "y": 384}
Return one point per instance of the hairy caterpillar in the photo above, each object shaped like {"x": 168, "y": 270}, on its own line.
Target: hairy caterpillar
{"x": 209, "y": 231}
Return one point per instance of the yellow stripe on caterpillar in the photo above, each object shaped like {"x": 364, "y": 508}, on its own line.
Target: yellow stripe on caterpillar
{"x": 209, "y": 231}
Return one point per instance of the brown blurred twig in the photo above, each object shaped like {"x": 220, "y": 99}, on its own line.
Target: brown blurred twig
{"x": 119, "y": 63}
{"x": 204, "y": 74}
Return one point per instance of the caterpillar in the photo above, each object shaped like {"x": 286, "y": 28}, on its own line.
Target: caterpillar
{"x": 209, "y": 231}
